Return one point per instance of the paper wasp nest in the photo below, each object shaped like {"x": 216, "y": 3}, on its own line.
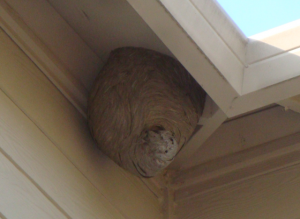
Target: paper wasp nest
{"x": 143, "y": 108}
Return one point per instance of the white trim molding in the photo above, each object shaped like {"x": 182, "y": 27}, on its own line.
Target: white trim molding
{"x": 250, "y": 72}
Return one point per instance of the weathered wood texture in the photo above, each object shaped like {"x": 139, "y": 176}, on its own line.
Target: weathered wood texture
{"x": 52, "y": 145}
{"x": 271, "y": 196}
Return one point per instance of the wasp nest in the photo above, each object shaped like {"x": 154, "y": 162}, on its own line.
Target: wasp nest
{"x": 143, "y": 108}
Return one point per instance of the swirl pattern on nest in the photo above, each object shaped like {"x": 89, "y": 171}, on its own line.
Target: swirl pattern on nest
{"x": 143, "y": 108}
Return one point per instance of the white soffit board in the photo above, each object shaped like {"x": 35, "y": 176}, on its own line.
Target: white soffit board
{"x": 258, "y": 71}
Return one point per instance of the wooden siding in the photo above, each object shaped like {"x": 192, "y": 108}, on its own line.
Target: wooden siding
{"x": 108, "y": 24}
{"x": 246, "y": 132}
{"x": 271, "y": 196}
{"x": 19, "y": 196}
{"x": 50, "y": 149}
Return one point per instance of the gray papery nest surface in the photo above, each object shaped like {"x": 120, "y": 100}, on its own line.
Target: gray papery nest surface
{"x": 143, "y": 108}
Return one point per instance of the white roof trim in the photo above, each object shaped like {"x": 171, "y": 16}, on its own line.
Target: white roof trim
{"x": 276, "y": 30}
{"x": 258, "y": 71}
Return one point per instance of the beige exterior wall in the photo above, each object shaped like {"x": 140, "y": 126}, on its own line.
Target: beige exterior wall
{"x": 49, "y": 165}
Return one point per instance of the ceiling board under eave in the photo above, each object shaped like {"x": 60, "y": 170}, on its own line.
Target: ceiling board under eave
{"x": 108, "y": 24}
{"x": 247, "y": 132}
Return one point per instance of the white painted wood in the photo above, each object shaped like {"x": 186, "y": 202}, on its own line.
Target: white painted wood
{"x": 186, "y": 51}
{"x": 247, "y": 132}
{"x": 19, "y": 197}
{"x": 209, "y": 41}
{"x": 272, "y": 71}
{"x": 264, "y": 97}
{"x": 87, "y": 18}
{"x": 259, "y": 89}
{"x": 42, "y": 57}
{"x": 224, "y": 26}
{"x": 271, "y": 196}
{"x": 210, "y": 108}
{"x": 30, "y": 149}
{"x": 108, "y": 24}
{"x": 273, "y": 42}
{"x": 56, "y": 34}
{"x": 101, "y": 186}
{"x": 194, "y": 144}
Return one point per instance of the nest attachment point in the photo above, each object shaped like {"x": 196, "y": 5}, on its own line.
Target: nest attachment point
{"x": 143, "y": 108}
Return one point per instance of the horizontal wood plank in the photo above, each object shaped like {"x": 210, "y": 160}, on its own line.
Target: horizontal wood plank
{"x": 19, "y": 197}
{"x": 246, "y": 132}
{"x": 238, "y": 167}
{"x": 272, "y": 196}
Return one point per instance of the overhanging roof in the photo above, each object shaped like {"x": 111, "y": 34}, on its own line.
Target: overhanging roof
{"x": 239, "y": 73}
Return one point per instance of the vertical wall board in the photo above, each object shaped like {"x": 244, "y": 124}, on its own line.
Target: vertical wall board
{"x": 60, "y": 38}
{"x": 272, "y": 196}
{"x": 67, "y": 129}
{"x": 19, "y": 197}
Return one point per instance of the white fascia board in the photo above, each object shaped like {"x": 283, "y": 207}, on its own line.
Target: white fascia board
{"x": 272, "y": 71}
{"x": 209, "y": 36}
{"x": 186, "y": 51}
{"x": 229, "y": 53}
{"x": 262, "y": 69}
{"x": 273, "y": 57}
{"x": 273, "y": 42}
